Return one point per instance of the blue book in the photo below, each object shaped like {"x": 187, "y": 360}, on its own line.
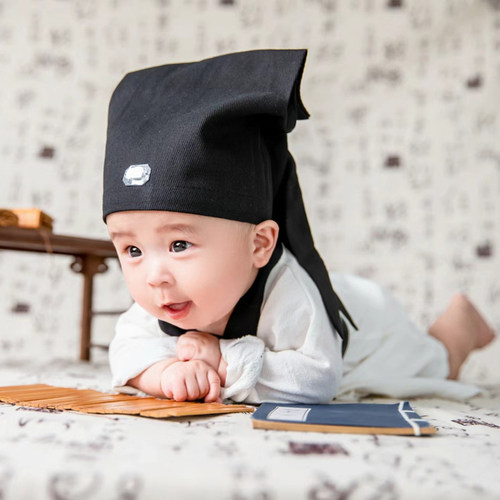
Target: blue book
{"x": 351, "y": 418}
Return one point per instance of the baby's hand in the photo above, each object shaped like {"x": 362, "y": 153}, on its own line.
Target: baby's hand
{"x": 205, "y": 347}
{"x": 199, "y": 345}
{"x": 189, "y": 381}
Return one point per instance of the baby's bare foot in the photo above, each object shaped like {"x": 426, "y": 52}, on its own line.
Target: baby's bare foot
{"x": 461, "y": 329}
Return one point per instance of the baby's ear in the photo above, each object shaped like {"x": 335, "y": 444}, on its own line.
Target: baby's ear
{"x": 265, "y": 237}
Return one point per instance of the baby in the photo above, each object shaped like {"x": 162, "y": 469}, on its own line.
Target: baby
{"x": 232, "y": 300}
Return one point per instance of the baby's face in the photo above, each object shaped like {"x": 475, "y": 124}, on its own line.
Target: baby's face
{"x": 189, "y": 270}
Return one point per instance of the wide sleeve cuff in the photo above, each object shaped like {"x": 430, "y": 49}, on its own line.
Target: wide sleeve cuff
{"x": 244, "y": 358}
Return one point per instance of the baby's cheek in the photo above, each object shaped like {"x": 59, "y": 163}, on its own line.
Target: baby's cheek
{"x": 130, "y": 276}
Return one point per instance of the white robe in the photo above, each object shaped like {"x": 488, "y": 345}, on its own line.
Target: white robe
{"x": 295, "y": 355}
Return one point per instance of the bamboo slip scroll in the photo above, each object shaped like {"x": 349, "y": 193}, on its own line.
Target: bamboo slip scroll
{"x": 91, "y": 401}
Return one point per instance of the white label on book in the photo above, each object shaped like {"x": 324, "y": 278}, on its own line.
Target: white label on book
{"x": 289, "y": 414}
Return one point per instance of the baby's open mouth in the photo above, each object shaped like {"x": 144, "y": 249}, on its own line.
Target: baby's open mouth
{"x": 177, "y": 310}
{"x": 177, "y": 307}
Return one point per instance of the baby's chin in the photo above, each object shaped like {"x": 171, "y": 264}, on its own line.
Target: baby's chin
{"x": 194, "y": 327}
{"x": 212, "y": 329}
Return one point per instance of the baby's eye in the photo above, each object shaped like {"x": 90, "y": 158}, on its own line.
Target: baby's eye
{"x": 133, "y": 251}
{"x": 180, "y": 246}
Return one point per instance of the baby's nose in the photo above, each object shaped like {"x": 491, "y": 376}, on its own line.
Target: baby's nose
{"x": 159, "y": 273}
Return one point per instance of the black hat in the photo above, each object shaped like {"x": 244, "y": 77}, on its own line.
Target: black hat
{"x": 210, "y": 138}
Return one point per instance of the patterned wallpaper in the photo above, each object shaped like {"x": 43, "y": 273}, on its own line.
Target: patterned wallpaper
{"x": 399, "y": 163}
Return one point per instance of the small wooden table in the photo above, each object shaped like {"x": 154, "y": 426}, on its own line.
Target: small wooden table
{"x": 89, "y": 259}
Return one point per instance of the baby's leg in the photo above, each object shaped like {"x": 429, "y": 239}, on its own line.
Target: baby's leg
{"x": 461, "y": 329}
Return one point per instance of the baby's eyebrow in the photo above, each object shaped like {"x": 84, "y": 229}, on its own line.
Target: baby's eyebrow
{"x": 181, "y": 228}
{"x": 120, "y": 234}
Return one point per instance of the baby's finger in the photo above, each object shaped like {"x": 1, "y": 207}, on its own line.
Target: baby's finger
{"x": 192, "y": 388}
{"x": 179, "y": 391}
{"x": 167, "y": 393}
{"x": 203, "y": 384}
{"x": 185, "y": 353}
{"x": 214, "y": 391}
{"x": 166, "y": 388}
{"x": 185, "y": 349}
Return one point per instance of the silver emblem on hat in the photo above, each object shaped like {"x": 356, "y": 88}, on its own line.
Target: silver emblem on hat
{"x": 137, "y": 175}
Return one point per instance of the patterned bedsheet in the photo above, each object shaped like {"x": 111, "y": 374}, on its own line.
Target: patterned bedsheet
{"x": 66, "y": 455}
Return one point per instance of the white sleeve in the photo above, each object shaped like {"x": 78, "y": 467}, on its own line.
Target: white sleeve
{"x": 296, "y": 355}
{"x": 138, "y": 343}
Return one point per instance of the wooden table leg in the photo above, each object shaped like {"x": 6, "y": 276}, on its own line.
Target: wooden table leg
{"x": 88, "y": 265}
